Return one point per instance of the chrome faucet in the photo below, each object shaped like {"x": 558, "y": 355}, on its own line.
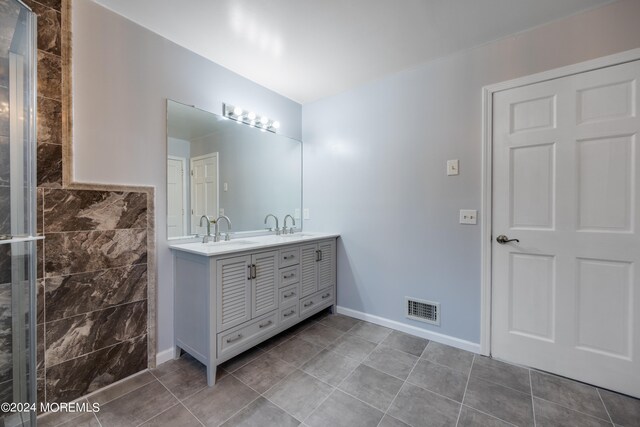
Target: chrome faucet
{"x": 216, "y": 231}
{"x": 276, "y": 218}
{"x": 284, "y": 227}
{"x": 205, "y": 239}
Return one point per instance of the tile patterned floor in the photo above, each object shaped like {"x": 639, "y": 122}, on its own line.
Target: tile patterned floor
{"x": 334, "y": 370}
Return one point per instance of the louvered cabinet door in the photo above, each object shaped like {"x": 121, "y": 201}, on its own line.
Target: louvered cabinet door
{"x": 327, "y": 264}
{"x": 309, "y": 269}
{"x": 234, "y": 291}
{"x": 265, "y": 283}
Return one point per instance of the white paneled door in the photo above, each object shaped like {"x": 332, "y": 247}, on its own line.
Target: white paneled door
{"x": 175, "y": 197}
{"x": 204, "y": 190}
{"x": 566, "y": 296}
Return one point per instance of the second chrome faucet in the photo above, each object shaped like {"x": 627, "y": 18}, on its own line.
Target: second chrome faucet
{"x": 284, "y": 230}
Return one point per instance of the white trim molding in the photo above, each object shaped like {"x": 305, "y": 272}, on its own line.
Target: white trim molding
{"x": 487, "y": 168}
{"x": 413, "y": 330}
{"x": 165, "y": 355}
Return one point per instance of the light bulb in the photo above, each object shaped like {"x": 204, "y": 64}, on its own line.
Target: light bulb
{"x": 276, "y": 125}
{"x": 251, "y": 115}
{"x": 264, "y": 120}
{"x": 237, "y": 111}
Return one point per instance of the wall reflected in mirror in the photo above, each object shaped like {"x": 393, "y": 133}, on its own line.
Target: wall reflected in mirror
{"x": 216, "y": 166}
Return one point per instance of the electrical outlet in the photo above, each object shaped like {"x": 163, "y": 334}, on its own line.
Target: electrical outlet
{"x": 226, "y": 187}
{"x": 296, "y": 213}
{"x": 221, "y": 211}
{"x": 468, "y": 216}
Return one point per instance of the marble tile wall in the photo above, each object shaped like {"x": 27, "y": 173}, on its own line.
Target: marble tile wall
{"x": 93, "y": 265}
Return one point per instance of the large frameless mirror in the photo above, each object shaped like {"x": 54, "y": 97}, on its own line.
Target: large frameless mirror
{"x": 217, "y": 166}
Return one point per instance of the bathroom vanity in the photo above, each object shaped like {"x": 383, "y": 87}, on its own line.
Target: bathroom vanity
{"x": 230, "y": 296}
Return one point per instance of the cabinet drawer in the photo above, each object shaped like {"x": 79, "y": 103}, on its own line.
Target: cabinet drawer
{"x": 290, "y": 256}
{"x": 229, "y": 340}
{"x": 289, "y": 275}
{"x": 289, "y": 314}
{"x": 289, "y": 295}
{"x": 315, "y": 301}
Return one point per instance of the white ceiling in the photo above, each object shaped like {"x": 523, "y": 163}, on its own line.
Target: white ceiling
{"x": 309, "y": 49}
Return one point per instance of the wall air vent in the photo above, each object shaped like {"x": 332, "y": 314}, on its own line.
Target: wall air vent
{"x": 423, "y": 311}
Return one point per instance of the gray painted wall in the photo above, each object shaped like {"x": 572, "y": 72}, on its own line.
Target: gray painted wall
{"x": 122, "y": 75}
{"x": 375, "y": 167}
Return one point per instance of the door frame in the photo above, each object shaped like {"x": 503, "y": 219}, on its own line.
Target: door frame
{"x": 186, "y": 209}
{"x": 487, "y": 168}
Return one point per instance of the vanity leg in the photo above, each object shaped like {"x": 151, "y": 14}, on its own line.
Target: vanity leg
{"x": 211, "y": 375}
{"x": 333, "y": 309}
{"x": 177, "y": 352}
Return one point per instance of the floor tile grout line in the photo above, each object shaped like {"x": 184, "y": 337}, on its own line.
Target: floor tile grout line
{"x": 573, "y": 409}
{"x": 465, "y": 389}
{"x": 337, "y": 387}
{"x": 401, "y": 387}
{"x": 126, "y": 379}
{"x": 179, "y": 402}
{"x": 605, "y": 405}
{"x": 497, "y": 383}
{"x": 95, "y": 415}
{"x": 490, "y": 415}
{"x": 533, "y": 403}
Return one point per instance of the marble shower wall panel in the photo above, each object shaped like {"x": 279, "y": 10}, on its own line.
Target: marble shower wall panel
{"x": 79, "y": 335}
{"x": 75, "y": 294}
{"x": 85, "y": 374}
{"x": 6, "y": 365}
{"x": 83, "y": 251}
{"x": 78, "y": 210}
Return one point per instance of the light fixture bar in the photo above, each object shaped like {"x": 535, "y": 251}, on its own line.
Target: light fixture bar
{"x": 250, "y": 118}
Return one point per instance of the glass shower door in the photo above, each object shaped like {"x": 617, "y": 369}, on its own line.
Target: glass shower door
{"x": 17, "y": 215}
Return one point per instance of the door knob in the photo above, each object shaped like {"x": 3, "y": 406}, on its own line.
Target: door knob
{"x": 502, "y": 239}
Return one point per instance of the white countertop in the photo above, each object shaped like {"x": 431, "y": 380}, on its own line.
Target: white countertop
{"x": 249, "y": 243}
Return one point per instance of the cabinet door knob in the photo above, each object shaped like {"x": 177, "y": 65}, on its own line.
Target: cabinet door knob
{"x": 264, "y": 325}
{"x": 230, "y": 340}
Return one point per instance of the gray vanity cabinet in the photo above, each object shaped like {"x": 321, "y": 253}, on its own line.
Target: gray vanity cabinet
{"x": 318, "y": 267}
{"x": 248, "y": 288}
{"x": 228, "y": 303}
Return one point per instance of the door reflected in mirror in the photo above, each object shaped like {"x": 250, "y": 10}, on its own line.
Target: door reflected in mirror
{"x": 216, "y": 166}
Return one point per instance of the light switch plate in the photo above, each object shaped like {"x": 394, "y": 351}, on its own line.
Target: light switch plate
{"x": 305, "y": 212}
{"x": 453, "y": 167}
{"x": 468, "y": 216}
{"x": 226, "y": 187}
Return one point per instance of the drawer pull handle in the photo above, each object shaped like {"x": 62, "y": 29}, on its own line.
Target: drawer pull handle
{"x": 289, "y": 256}
{"x": 230, "y": 340}
{"x": 289, "y": 295}
{"x": 288, "y": 276}
{"x": 309, "y": 304}
{"x": 325, "y": 296}
{"x": 291, "y": 313}
{"x": 264, "y": 325}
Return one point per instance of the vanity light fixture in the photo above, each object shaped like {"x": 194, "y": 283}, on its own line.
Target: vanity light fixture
{"x": 250, "y": 118}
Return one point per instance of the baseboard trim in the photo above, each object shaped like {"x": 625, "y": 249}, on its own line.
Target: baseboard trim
{"x": 164, "y": 356}
{"x": 409, "y": 329}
